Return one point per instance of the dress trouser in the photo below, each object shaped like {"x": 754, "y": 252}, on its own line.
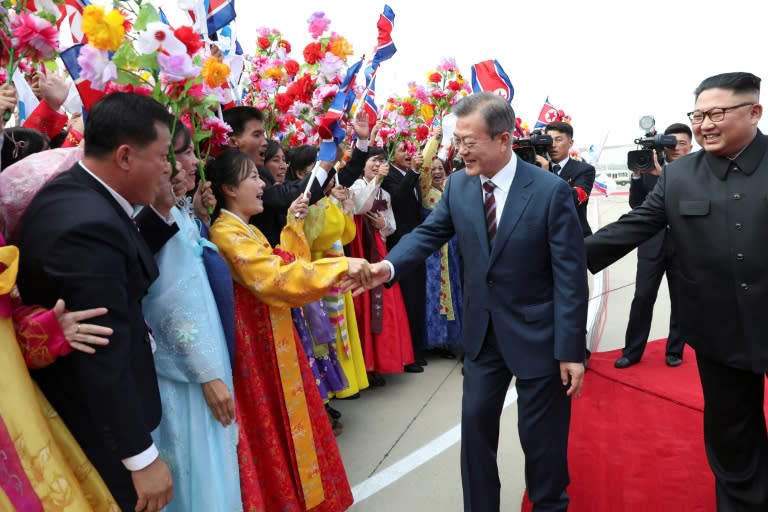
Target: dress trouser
{"x": 650, "y": 270}
{"x": 414, "y": 288}
{"x": 735, "y": 436}
{"x": 544, "y": 413}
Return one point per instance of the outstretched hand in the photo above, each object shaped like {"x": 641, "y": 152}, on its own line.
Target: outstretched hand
{"x": 81, "y": 336}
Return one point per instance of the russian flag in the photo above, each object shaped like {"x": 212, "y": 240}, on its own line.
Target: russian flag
{"x": 548, "y": 114}
{"x": 87, "y": 93}
{"x": 489, "y": 76}
{"x": 600, "y": 187}
{"x": 385, "y": 47}
{"x": 329, "y": 126}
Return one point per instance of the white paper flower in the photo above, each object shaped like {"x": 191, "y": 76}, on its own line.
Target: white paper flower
{"x": 159, "y": 36}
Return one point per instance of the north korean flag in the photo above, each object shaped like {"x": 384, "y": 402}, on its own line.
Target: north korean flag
{"x": 489, "y": 76}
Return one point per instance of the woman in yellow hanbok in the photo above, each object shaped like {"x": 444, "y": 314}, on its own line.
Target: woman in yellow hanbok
{"x": 289, "y": 460}
{"x": 329, "y": 228}
{"x": 41, "y": 465}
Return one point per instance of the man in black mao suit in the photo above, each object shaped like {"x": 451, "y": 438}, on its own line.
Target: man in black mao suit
{"x": 655, "y": 257}
{"x": 402, "y": 184}
{"x": 716, "y": 206}
{"x": 78, "y": 241}
{"x": 579, "y": 175}
{"x": 525, "y": 302}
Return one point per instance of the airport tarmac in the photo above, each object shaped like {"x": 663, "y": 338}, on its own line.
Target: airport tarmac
{"x": 400, "y": 443}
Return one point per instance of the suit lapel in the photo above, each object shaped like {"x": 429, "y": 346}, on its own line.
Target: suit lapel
{"x": 517, "y": 200}
{"x": 145, "y": 254}
{"x": 477, "y": 213}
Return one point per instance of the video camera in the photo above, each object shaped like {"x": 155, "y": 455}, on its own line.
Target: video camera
{"x": 641, "y": 160}
{"x": 537, "y": 143}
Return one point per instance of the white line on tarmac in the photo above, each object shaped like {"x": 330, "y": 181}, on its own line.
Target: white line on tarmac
{"x": 399, "y": 469}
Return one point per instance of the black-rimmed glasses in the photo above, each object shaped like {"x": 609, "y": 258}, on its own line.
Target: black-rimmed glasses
{"x": 715, "y": 115}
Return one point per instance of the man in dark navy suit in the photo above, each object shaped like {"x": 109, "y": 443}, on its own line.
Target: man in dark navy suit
{"x": 525, "y": 301}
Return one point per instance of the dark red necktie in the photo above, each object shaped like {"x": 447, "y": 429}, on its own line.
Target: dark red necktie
{"x": 490, "y": 209}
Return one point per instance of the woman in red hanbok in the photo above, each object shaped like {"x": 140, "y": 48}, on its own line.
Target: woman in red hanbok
{"x": 289, "y": 460}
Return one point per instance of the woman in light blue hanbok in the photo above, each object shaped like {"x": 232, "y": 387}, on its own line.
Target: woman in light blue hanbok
{"x": 197, "y": 436}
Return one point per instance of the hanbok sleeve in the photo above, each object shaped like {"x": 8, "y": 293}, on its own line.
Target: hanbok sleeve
{"x": 39, "y": 335}
{"x": 255, "y": 266}
{"x": 363, "y": 195}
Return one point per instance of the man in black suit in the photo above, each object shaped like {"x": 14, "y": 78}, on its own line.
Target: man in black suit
{"x": 402, "y": 184}
{"x": 248, "y": 136}
{"x": 79, "y": 242}
{"x": 716, "y": 206}
{"x": 579, "y": 175}
{"x": 655, "y": 257}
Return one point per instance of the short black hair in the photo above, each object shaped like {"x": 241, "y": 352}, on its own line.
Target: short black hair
{"x": 738, "y": 82}
{"x": 298, "y": 158}
{"x": 375, "y": 152}
{"x": 238, "y": 117}
{"x": 561, "y": 127}
{"x": 123, "y": 118}
{"x": 272, "y": 148}
{"x": 679, "y": 128}
{"x": 19, "y": 143}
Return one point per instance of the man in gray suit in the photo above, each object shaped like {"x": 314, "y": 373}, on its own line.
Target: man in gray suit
{"x": 525, "y": 301}
{"x": 715, "y": 202}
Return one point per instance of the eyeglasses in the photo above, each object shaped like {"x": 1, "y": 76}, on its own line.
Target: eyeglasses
{"x": 715, "y": 115}
{"x": 467, "y": 143}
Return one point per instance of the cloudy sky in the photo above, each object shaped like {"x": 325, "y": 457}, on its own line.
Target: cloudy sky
{"x": 605, "y": 63}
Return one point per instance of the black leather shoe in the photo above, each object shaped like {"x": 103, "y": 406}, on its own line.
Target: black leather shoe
{"x": 413, "y": 368}
{"x": 673, "y": 360}
{"x": 623, "y": 362}
{"x": 333, "y": 413}
{"x": 421, "y": 362}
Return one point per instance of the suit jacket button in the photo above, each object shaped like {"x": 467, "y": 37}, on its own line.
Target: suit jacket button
{"x": 744, "y": 286}
{"x": 489, "y": 282}
{"x": 740, "y": 256}
{"x": 739, "y": 226}
{"x": 737, "y": 196}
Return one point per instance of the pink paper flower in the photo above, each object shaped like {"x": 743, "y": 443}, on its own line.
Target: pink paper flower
{"x": 177, "y": 67}
{"x": 34, "y": 36}
{"x": 318, "y": 24}
{"x": 96, "y": 67}
{"x": 219, "y": 130}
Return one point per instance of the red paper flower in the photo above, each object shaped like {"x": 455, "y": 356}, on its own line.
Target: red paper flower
{"x": 435, "y": 78}
{"x": 408, "y": 108}
{"x": 285, "y": 45}
{"x": 143, "y": 90}
{"x": 190, "y": 38}
{"x": 283, "y": 102}
{"x": 313, "y": 52}
{"x": 263, "y": 42}
{"x": 454, "y": 86}
{"x": 291, "y": 67}
{"x": 422, "y": 132}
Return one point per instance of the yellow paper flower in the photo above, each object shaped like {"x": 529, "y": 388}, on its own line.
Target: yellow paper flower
{"x": 427, "y": 112}
{"x": 341, "y": 48}
{"x": 105, "y": 31}
{"x": 274, "y": 73}
{"x": 215, "y": 72}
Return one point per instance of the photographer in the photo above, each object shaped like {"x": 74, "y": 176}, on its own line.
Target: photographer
{"x": 579, "y": 175}
{"x": 654, "y": 257}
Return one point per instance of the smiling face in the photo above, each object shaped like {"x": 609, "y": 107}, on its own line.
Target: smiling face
{"x": 277, "y": 167}
{"x": 189, "y": 163}
{"x": 147, "y": 167}
{"x": 402, "y": 157}
{"x": 481, "y": 153}
{"x": 245, "y": 199}
{"x": 438, "y": 173}
{"x": 372, "y": 165}
{"x": 736, "y": 130}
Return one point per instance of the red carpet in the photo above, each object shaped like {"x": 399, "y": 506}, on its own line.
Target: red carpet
{"x": 636, "y": 441}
